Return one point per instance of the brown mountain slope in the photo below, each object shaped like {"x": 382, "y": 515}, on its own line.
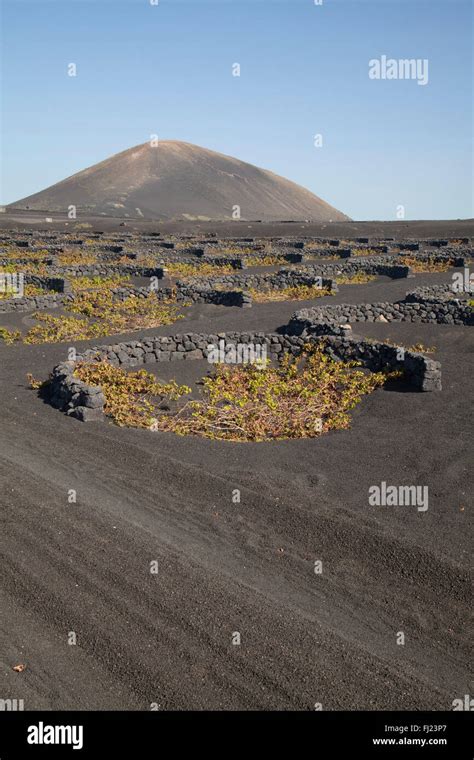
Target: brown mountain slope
{"x": 176, "y": 180}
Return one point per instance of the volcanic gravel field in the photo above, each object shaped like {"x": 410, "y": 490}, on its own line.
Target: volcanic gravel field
{"x": 247, "y": 567}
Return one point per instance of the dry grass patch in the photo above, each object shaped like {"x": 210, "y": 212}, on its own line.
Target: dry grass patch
{"x": 76, "y": 258}
{"x": 297, "y": 293}
{"x": 98, "y": 283}
{"x": 265, "y": 261}
{"x": 419, "y": 266}
{"x": 184, "y": 271}
{"x": 234, "y": 251}
{"x": 316, "y": 245}
{"x": 420, "y": 348}
{"x": 359, "y": 278}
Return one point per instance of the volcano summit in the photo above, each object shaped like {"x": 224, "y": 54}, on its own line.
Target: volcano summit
{"x": 177, "y": 180}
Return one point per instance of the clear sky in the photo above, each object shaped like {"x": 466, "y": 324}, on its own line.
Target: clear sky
{"x": 166, "y": 69}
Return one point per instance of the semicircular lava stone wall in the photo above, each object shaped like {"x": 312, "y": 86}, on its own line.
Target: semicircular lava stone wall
{"x": 86, "y": 403}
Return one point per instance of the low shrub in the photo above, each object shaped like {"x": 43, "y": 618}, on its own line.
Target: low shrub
{"x": 98, "y": 283}
{"x": 303, "y": 397}
{"x": 359, "y": 278}
{"x": 417, "y": 265}
{"x": 28, "y": 291}
{"x": 130, "y": 397}
{"x": 52, "y": 329}
{"x": 183, "y": 270}
{"x": 296, "y": 293}
{"x": 76, "y": 258}
{"x": 9, "y": 336}
{"x": 100, "y": 315}
{"x": 419, "y": 348}
{"x": 265, "y": 261}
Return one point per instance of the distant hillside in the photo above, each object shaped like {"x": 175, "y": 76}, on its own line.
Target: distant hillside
{"x": 177, "y": 180}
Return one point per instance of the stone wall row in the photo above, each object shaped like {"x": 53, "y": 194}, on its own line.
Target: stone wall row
{"x": 457, "y": 312}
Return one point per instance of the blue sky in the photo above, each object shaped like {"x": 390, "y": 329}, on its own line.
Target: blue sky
{"x": 167, "y": 70}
